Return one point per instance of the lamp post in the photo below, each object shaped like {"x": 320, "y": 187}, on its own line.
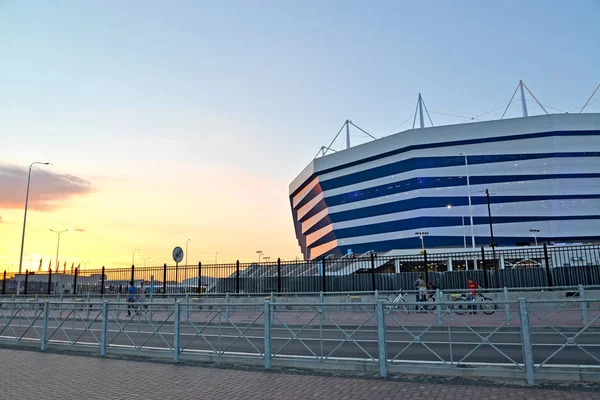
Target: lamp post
{"x": 421, "y": 234}
{"x": 493, "y": 243}
{"x": 533, "y": 233}
{"x": 133, "y": 256}
{"x": 58, "y": 243}
{"x": 267, "y": 259}
{"x": 25, "y": 217}
{"x": 216, "y": 255}
{"x": 469, "y": 196}
{"x": 186, "y": 249}
{"x": 85, "y": 263}
{"x": 145, "y": 258}
{"x": 259, "y": 252}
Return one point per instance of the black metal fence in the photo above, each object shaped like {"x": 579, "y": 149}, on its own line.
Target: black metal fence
{"x": 544, "y": 266}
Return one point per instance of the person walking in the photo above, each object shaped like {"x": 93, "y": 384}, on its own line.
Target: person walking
{"x": 131, "y": 298}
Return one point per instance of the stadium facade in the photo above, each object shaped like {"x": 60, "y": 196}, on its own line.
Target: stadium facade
{"x": 542, "y": 173}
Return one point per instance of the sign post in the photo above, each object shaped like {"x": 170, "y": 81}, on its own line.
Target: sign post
{"x": 177, "y": 257}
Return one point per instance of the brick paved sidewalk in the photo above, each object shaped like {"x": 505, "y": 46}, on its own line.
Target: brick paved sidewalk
{"x": 36, "y": 375}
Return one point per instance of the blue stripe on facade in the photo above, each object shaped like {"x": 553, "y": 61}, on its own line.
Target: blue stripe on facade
{"x": 448, "y": 144}
{"x": 444, "y": 241}
{"x": 433, "y": 182}
{"x": 434, "y": 222}
{"x": 438, "y": 162}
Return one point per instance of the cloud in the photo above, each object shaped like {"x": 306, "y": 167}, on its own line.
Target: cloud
{"x": 1, "y": 221}
{"x": 79, "y": 230}
{"x": 47, "y": 189}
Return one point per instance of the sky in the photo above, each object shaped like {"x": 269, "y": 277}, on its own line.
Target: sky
{"x": 168, "y": 121}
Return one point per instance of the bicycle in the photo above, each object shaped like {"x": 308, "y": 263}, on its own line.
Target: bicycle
{"x": 486, "y": 304}
{"x": 399, "y": 302}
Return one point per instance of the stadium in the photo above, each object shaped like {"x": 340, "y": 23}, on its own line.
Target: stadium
{"x": 426, "y": 188}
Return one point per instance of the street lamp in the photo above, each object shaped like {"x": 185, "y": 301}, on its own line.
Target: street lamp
{"x": 493, "y": 243}
{"x": 421, "y": 234}
{"x": 267, "y": 259}
{"x": 186, "y": 247}
{"x": 533, "y": 232}
{"x": 145, "y": 258}
{"x": 259, "y": 252}
{"x": 85, "y": 263}
{"x": 216, "y": 254}
{"x": 26, "y": 204}
{"x": 469, "y": 195}
{"x": 133, "y": 256}
{"x": 58, "y": 243}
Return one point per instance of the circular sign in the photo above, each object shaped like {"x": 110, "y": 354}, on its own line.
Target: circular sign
{"x": 177, "y": 254}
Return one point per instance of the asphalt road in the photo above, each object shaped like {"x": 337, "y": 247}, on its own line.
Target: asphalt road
{"x": 436, "y": 344}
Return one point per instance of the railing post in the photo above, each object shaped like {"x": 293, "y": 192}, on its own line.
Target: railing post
{"x": 4, "y": 284}
{"x": 165, "y": 279}
{"x": 176, "y": 337}
{"x": 26, "y": 281}
{"x": 45, "y": 326}
{"x": 273, "y": 300}
{"x": 483, "y": 267}
{"x": 133, "y": 273}
{"x": 323, "y": 276}
{"x": 75, "y": 282}
{"x": 547, "y": 261}
{"x": 103, "y": 340}
{"x": 199, "y": 278}
{"x": 426, "y": 267}
{"x": 526, "y": 340}
{"x": 381, "y": 339}
{"x": 102, "y": 283}
{"x": 506, "y": 305}
{"x": 49, "y": 281}
{"x": 237, "y": 276}
{"x": 373, "y": 280}
{"x": 118, "y": 304}
{"x": 438, "y": 305}
{"x": 89, "y": 305}
{"x": 278, "y": 275}
{"x": 267, "y": 333}
{"x": 187, "y": 306}
{"x": 584, "y": 308}
{"x": 35, "y": 305}
{"x": 227, "y": 305}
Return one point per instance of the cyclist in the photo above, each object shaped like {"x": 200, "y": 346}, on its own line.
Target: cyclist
{"x": 472, "y": 287}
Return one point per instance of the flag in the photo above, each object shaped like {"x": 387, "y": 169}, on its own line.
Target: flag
{"x": 40, "y": 267}
{"x": 65, "y": 268}
{"x": 72, "y": 267}
{"x": 78, "y": 266}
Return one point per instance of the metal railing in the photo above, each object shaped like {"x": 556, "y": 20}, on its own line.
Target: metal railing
{"x": 542, "y": 266}
{"x": 495, "y": 332}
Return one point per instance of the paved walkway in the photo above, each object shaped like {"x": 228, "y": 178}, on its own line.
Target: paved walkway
{"x": 36, "y": 375}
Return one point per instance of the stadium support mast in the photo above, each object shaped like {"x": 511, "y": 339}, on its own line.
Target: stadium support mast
{"x": 523, "y": 103}
{"x": 522, "y": 87}
{"x": 420, "y": 106}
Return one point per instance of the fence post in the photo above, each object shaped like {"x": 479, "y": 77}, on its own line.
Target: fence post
{"x": 272, "y": 300}
{"x": 118, "y": 304}
{"x": 267, "y": 317}
{"x": 35, "y": 305}
{"x": 547, "y": 261}
{"x": 132, "y": 273}
{"x": 75, "y": 281}
{"x": 103, "y": 344}
{"x": 49, "y": 281}
{"x": 381, "y": 339}
{"x": 278, "y": 275}
{"x": 26, "y": 281}
{"x": 323, "y": 276}
{"x": 485, "y": 277}
{"x": 176, "y": 337}
{"x": 4, "y": 284}
{"x": 426, "y": 267}
{"x": 227, "y": 305}
{"x": 526, "y": 340}
{"x": 584, "y": 313}
{"x": 165, "y": 278}
{"x": 506, "y": 305}
{"x": 89, "y": 305}
{"x": 373, "y": 280}
{"x": 187, "y": 306}
{"x": 199, "y": 277}
{"x": 45, "y": 326}
{"x": 102, "y": 283}
{"x": 438, "y": 307}
{"x": 237, "y": 276}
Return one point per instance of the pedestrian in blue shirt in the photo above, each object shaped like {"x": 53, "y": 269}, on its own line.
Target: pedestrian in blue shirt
{"x": 131, "y": 298}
